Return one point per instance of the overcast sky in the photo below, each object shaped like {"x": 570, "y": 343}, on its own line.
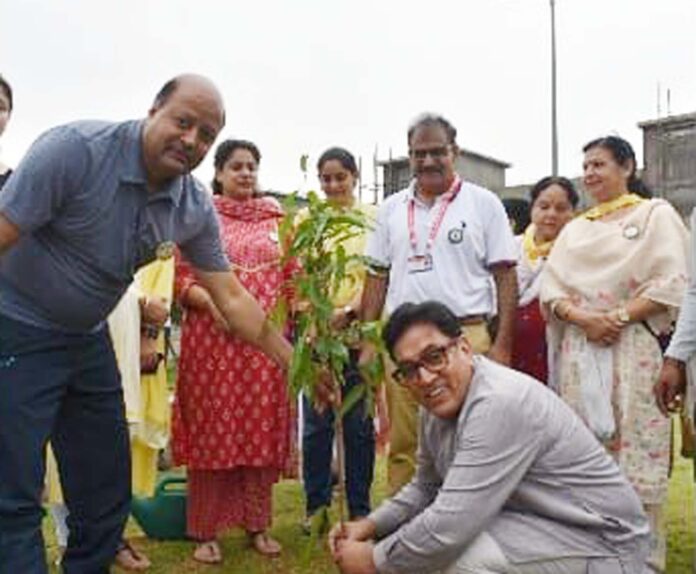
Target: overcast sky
{"x": 301, "y": 75}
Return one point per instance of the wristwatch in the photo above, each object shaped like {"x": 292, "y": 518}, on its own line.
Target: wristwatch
{"x": 622, "y": 315}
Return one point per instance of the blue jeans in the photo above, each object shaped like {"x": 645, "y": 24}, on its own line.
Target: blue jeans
{"x": 317, "y": 450}
{"x": 65, "y": 388}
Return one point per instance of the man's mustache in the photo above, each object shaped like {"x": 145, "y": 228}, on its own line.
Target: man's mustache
{"x": 432, "y": 169}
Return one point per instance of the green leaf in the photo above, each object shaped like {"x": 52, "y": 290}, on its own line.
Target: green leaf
{"x": 318, "y": 235}
{"x": 339, "y": 268}
{"x": 351, "y": 399}
{"x": 372, "y": 331}
{"x": 373, "y": 372}
{"x": 286, "y": 227}
{"x": 315, "y": 237}
{"x": 321, "y": 303}
{"x": 370, "y": 400}
{"x": 301, "y": 369}
{"x": 320, "y": 522}
{"x": 279, "y": 313}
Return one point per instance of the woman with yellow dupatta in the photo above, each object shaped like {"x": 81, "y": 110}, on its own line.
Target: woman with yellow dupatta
{"x": 151, "y": 432}
{"x": 146, "y": 395}
{"x": 553, "y": 202}
{"x": 613, "y": 282}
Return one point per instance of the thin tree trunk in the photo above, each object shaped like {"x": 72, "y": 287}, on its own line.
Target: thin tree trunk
{"x": 341, "y": 458}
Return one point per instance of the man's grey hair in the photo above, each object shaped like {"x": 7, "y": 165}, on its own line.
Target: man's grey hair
{"x": 432, "y": 119}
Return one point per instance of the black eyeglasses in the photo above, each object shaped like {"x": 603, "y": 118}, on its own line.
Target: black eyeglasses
{"x": 435, "y": 153}
{"x": 433, "y": 359}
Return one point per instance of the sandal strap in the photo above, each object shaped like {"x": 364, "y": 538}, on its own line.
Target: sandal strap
{"x": 212, "y": 550}
{"x": 125, "y": 545}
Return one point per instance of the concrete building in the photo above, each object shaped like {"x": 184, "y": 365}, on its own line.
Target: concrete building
{"x": 482, "y": 170}
{"x": 669, "y": 156}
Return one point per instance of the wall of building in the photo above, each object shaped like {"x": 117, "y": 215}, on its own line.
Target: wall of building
{"x": 396, "y": 176}
{"x": 481, "y": 172}
{"x": 669, "y": 150}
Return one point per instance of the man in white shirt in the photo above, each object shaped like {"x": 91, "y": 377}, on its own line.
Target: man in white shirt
{"x": 439, "y": 239}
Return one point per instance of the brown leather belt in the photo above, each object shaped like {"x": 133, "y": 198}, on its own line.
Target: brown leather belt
{"x": 472, "y": 320}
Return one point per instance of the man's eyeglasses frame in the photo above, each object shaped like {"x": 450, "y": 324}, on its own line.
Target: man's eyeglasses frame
{"x": 408, "y": 372}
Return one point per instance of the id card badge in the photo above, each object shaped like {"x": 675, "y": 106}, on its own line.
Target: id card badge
{"x": 420, "y": 263}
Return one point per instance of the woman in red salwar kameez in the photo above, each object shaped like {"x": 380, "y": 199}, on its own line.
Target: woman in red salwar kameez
{"x": 232, "y": 423}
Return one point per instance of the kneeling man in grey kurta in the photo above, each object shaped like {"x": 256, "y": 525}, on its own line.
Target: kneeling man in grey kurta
{"x": 508, "y": 480}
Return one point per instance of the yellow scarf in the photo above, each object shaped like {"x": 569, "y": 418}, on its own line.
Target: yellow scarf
{"x": 625, "y": 200}
{"x": 532, "y": 249}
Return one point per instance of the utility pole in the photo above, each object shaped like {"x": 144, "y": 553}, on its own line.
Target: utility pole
{"x": 554, "y": 122}
{"x": 375, "y": 176}
{"x": 360, "y": 183}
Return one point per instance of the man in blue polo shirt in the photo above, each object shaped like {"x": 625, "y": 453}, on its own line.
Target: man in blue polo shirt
{"x": 89, "y": 204}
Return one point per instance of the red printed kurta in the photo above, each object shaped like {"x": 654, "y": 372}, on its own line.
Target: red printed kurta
{"x": 529, "y": 344}
{"x": 231, "y": 407}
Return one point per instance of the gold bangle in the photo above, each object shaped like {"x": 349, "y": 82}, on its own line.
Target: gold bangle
{"x": 555, "y": 308}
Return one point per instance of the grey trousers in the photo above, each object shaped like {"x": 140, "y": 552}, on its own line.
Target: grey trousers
{"x": 484, "y": 556}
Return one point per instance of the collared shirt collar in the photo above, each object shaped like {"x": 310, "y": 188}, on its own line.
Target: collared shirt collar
{"x": 411, "y": 190}
{"x": 134, "y": 169}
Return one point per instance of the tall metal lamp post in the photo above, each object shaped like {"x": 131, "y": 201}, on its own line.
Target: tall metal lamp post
{"x": 554, "y": 123}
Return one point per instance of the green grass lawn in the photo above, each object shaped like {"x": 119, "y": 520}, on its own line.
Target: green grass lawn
{"x": 175, "y": 557}
{"x": 297, "y": 557}
{"x": 680, "y": 516}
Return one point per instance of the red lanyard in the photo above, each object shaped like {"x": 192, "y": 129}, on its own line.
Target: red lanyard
{"x": 446, "y": 200}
